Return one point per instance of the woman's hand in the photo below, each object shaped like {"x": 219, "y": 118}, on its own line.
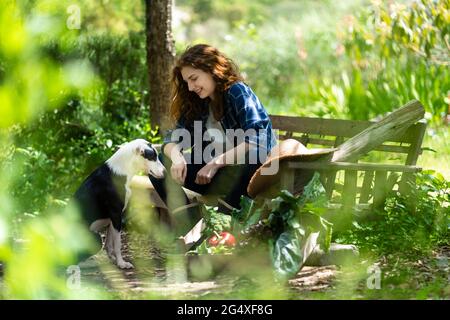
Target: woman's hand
{"x": 179, "y": 170}
{"x": 205, "y": 174}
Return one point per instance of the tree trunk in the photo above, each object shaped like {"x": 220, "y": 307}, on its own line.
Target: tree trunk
{"x": 160, "y": 58}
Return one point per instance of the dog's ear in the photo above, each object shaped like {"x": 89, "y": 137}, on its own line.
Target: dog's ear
{"x": 150, "y": 154}
{"x": 147, "y": 153}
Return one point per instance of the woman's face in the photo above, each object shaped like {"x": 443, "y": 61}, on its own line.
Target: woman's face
{"x": 199, "y": 81}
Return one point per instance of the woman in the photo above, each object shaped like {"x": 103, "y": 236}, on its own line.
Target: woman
{"x": 211, "y": 103}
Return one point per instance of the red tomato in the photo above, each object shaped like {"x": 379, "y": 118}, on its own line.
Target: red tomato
{"x": 213, "y": 241}
{"x": 225, "y": 238}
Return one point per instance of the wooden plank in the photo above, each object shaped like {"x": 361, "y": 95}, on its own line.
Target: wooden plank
{"x": 413, "y": 155}
{"x": 385, "y": 148}
{"x": 394, "y": 124}
{"x": 339, "y": 187}
{"x": 287, "y": 179}
{"x": 416, "y": 145}
{"x": 392, "y": 180}
{"x": 350, "y": 188}
{"x": 327, "y": 127}
{"x": 349, "y": 192}
{"x": 334, "y": 127}
{"x": 379, "y": 189}
{"x": 331, "y": 176}
{"x": 329, "y": 182}
{"x": 366, "y": 187}
{"x": 352, "y": 166}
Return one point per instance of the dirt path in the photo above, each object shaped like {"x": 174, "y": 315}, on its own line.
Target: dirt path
{"x": 156, "y": 274}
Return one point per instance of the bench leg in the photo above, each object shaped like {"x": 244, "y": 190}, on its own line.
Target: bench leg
{"x": 287, "y": 179}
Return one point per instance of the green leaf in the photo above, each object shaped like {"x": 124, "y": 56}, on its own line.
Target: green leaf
{"x": 214, "y": 220}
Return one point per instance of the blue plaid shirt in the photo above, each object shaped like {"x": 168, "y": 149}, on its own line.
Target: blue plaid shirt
{"x": 242, "y": 110}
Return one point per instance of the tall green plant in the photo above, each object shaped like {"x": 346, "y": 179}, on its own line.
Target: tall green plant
{"x": 398, "y": 52}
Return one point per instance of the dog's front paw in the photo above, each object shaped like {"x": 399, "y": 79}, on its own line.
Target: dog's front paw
{"x": 124, "y": 265}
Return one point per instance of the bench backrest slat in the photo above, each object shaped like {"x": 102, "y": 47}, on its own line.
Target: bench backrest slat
{"x": 336, "y": 127}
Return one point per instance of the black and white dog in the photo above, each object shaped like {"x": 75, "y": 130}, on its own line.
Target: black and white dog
{"x": 103, "y": 197}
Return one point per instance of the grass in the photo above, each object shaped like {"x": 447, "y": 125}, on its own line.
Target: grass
{"x": 437, "y": 139}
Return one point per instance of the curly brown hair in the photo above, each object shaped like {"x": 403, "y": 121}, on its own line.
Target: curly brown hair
{"x": 208, "y": 59}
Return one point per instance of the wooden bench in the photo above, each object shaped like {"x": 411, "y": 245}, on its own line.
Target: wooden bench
{"x": 373, "y": 157}
{"x": 363, "y": 180}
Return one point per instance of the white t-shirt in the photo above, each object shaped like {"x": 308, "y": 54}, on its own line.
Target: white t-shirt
{"x": 216, "y": 133}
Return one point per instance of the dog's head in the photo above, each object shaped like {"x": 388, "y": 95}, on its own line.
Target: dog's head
{"x": 149, "y": 158}
{"x": 144, "y": 157}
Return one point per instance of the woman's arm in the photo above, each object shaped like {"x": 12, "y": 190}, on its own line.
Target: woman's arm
{"x": 173, "y": 152}
{"x": 233, "y": 156}
{"x": 251, "y": 116}
{"x": 206, "y": 173}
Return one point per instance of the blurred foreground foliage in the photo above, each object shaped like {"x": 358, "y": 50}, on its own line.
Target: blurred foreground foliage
{"x": 65, "y": 106}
